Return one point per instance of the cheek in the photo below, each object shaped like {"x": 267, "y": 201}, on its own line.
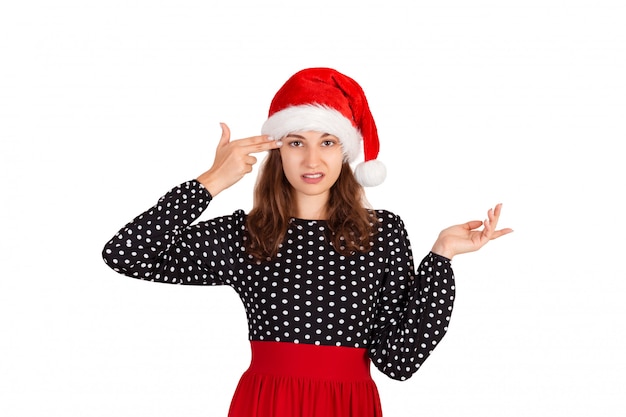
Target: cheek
{"x": 290, "y": 169}
{"x": 336, "y": 164}
{"x": 338, "y": 160}
{"x": 286, "y": 159}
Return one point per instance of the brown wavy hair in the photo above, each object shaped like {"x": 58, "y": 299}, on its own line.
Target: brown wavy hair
{"x": 351, "y": 225}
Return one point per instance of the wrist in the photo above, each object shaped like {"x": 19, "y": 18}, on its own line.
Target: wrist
{"x": 440, "y": 249}
{"x": 211, "y": 184}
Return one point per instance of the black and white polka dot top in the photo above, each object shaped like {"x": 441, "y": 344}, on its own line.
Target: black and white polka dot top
{"x": 309, "y": 293}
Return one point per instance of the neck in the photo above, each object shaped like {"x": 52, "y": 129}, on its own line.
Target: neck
{"x": 312, "y": 207}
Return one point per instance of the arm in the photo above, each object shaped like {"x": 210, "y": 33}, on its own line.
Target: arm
{"x": 162, "y": 245}
{"x": 414, "y": 308}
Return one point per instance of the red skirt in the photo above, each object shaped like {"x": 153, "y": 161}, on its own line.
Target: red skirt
{"x": 300, "y": 380}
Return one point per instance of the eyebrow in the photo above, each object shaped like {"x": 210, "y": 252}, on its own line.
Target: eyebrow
{"x": 293, "y": 135}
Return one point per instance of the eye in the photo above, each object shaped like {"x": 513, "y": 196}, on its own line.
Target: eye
{"x": 295, "y": 143}
{"x": 329, "y": 142}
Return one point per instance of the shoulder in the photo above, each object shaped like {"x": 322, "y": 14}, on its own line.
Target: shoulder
{"x": 391, "y": 227}
{"x": 237, "y": 217}
{"x": 387, "y": 218}
{"x": 231, "y": 223}
{"x": 391, "y": 234}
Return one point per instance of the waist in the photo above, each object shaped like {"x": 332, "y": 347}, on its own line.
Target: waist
{"x": 313, "y": 361}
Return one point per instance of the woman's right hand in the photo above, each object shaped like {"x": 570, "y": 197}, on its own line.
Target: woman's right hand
{"x": 233, "y": 160}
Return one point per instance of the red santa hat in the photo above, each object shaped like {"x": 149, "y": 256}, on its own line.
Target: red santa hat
{"x": 324, "y": 100}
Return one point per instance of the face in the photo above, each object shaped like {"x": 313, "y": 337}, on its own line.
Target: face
{"x": 312, "y": 162}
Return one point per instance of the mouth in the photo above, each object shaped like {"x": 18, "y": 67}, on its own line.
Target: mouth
{"x": 313, "y": 178}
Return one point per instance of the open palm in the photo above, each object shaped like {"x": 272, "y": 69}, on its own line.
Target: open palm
{"x": 469, "y": 237}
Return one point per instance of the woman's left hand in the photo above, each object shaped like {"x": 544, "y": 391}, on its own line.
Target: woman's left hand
{"x": 463, "y": 238}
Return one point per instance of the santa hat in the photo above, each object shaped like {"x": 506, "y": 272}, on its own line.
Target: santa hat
{"x": 324, "y": 100}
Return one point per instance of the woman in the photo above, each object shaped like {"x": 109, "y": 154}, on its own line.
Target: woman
{"x": 329, "y": 286}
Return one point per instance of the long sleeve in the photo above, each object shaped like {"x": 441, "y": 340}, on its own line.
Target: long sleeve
{"x": 163, "y": 245}
{"x": 414, "y": 307}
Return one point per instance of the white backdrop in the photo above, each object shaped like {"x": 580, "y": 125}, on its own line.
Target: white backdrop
{"x": 104, "y": 106}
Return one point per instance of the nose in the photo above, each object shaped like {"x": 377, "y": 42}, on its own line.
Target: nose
{"x": 312, "y": 157}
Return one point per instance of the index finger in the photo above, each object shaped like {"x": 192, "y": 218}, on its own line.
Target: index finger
{"x": 259, "y": 143}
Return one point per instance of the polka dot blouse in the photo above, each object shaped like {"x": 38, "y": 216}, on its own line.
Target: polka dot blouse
{"x": 309, "y": 293}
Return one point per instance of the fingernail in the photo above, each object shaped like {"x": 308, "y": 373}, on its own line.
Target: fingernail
{"x": 270, "y": 138}
{"x": 279, "y": 143}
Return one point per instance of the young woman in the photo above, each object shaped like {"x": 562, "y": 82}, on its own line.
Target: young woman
{"x": 329, "y": 285}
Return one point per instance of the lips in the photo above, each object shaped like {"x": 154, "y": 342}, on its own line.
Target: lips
{"x": 313, "y": 177}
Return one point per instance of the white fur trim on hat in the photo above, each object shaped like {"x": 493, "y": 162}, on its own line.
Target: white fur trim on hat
{"x": 317, "y": 118}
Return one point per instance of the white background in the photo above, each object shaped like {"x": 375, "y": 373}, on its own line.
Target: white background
{"x": 104, "y": 106}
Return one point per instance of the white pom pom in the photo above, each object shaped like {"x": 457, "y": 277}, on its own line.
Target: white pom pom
{"x": 370, "y": 173}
